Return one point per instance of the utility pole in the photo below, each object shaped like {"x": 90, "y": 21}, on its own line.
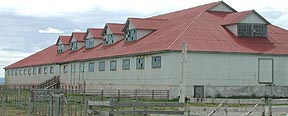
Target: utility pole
{"x": 183, "y": 74}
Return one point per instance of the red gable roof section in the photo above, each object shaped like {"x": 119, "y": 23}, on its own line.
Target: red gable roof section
{"x": 96, "y": 32}
{"x": 116, "y": 28}
{"x": 79, "y": 36}
{"x": 202, "y": 30}
{"x": 64, "y": 40}
{"x": 233, "y": 18}
{"x": 150, "y": 24}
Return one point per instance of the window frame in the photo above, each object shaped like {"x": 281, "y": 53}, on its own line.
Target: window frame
{"x": 113, "y": 68}
{"x": 51, "y": 69}
{"x": 252, "y": 30}
{"x": 29, "y": 71}
{"x": 20, "y": 72}
{"x": 65, "y": 69}
{"x": 123, "y": 64}
{"x": 82, "y": 67}
{"x": 34, "y": 71}
{"x": 89, "y": 43}
{"x": 101, "y": 66}
{"x": 156, "y": 64}
{"x": 45, "y": 70}
{"x": 140, "y": 61}
{"x": 91, "y": 67}
{"x": 74, "y": 45}
{"x": 24, "y": 71}
{"x": 60, "y": 48}
{"x": 40, "y": 70}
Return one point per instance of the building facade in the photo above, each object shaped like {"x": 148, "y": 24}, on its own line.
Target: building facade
{"x": 230, "y": 53}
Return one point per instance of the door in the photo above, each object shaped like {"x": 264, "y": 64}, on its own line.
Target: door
{"x": 265, "y": 71}
{"x": 198, "y": 91}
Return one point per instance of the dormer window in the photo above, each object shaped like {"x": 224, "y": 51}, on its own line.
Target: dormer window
{"x": 131, "y": 35}
{"x": 252, "y": 30}
{"x": 60, "y": 48}
{"x": 74, "y": 45}
{"x": 89, "y": 43}
{"x": 108, "y": 39}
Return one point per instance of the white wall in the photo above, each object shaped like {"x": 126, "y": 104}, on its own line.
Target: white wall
{"x": 30, "y": 79}
{"x": 125, "y": 79}
{"x": 233, "y": 29}
{"x": 226, "y": 69}
{"x": 253, "y": 18}
{"x": 141, "y": 33}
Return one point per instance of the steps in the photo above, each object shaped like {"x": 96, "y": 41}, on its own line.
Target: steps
{"x": 53, "y": 82}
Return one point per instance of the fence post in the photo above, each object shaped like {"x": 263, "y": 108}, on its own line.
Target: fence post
{"x": 263, "y": 107}
{"x": 3, "y": 104}
{"x": 226, "y": 109}
{"x": 152, "y": 94}
{"x": 269, "y": 107}
{"x": 118, "y": 94}
{"x": 188, "y": 106}
{"x": 136, "y": 94}
{"x": 102, "y": 92}
{"x": 29, "y": 104}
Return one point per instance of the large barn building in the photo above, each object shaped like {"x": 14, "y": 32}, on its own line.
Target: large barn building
{"x": 230, "y": 53}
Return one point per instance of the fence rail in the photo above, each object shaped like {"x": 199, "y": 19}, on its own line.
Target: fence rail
{"x": 117, "y": 107}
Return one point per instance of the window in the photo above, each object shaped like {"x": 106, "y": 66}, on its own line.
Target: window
{"x": 65, "y": 68}
{"x": 29, "y": 71}
{"x": 81, "y": 67}
{"x": 73, "y": 66}
{"x": 108, "y": 39}
{"x": 45, "y": 70}
{"x": 130, "y": 35}
{"x": 39, "y": 70}
{"x": 89, "y": 43}
{"x": 16, "y": 72}
{"x": 25, "y": 71}
{"x": 156, "y": 62}
{"x": 140, "y": 63}
{"x": 60, "y": 48}
{"x": 20, "y": 71}
{"x": 51, "y": 69}
{"x": 8, "y": 73}
{"x": 252, "y": 30}
{"x": 91, "y": 67}
{"x": 74, "y": 45}
{"x": 34, "y": 71}
{"x": 12, "y": 72}
{"x": 113, "y": 65}
{"x": 102, "y": 66}
{"x": 125, "y": 64}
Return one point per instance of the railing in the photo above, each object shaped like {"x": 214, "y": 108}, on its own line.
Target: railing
{"x": 51, "y": 83}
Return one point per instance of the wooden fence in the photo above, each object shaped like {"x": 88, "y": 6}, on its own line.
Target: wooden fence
{"x": 135, "y": 108}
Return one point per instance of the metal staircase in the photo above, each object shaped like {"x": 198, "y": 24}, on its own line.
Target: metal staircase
{"x": 53, "y": 82}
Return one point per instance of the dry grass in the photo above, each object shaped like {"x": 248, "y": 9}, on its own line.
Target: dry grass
{"x": 13, "y": 111}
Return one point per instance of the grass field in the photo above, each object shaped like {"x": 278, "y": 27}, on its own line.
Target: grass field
{"x": 13, "y": 111}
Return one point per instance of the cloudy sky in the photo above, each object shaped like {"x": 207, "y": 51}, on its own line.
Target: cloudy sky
{"x": 27, "y": 26}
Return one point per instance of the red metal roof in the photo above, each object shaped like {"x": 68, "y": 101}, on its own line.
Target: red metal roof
{"x": 202, "y": 30}
{"x": 79, "y": 36}
{"x": 63, "y": 39}
{"x": 233, "y": 18}
{"x": 152, "y": 24}
{"x": 116, "y": 28}
{"x": 96, "y": 32}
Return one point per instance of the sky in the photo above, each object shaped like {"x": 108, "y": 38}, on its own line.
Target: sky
{"x": 28, "y": 26}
